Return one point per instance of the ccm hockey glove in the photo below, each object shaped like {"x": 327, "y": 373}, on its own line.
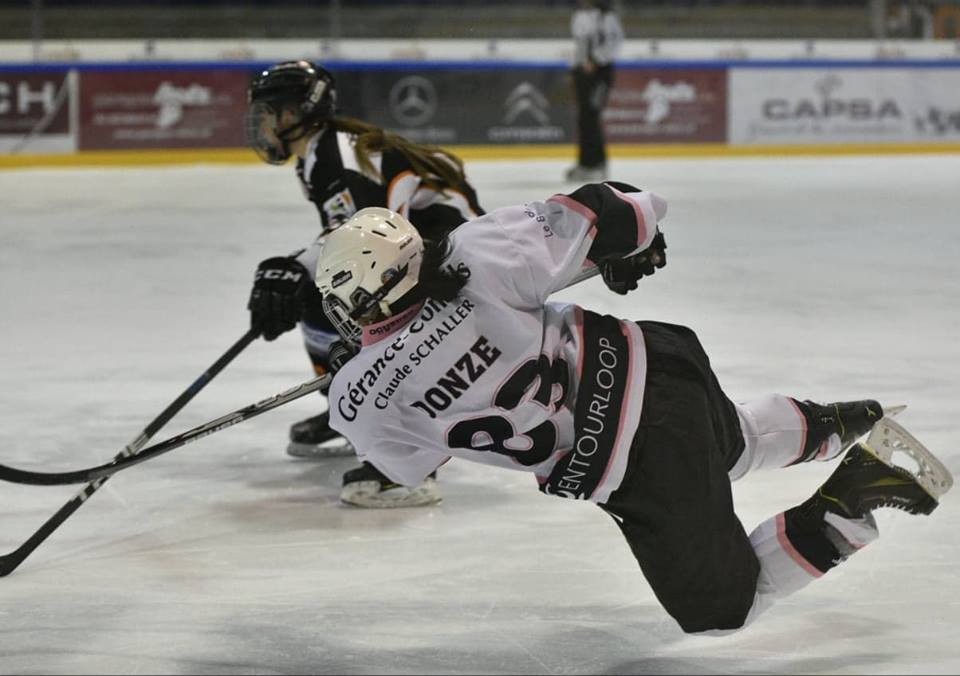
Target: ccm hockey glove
{"x": 281, "y": 289}
{"x": 621, "y": 275}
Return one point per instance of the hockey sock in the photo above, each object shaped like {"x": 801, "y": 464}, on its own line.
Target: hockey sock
{"x": 774, "y": 432}
{"x": 780, "y": 431}
{"x": 794, "y": 551}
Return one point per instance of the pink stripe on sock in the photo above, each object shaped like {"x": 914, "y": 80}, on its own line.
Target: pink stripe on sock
{"x": 824, "y": 447}
{"x": 791, "y": 550}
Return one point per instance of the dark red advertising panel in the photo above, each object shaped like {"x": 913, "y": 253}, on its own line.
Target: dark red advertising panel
{"x": 667, "y": 105}
{"x": 34, "y": 102}
{"x": 162, "y": 109}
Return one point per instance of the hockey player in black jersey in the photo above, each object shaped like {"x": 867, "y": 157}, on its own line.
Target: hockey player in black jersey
{"x": 343, "y": 165}
{"x": 464, "y": 355}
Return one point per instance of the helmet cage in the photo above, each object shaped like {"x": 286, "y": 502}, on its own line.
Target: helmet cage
{"x": 362, "y": 306}
{"x": 263, "y": 118}
{"x": 339, "y": 315}
{"x": 300, "y": 86}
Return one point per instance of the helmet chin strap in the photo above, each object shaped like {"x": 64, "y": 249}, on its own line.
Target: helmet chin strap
{"x": 286, "y": 137}
{"x": 376, "y": 300}
{"x": 405, "y": 302}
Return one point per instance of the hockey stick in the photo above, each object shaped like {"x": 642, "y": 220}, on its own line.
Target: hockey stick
{"x": 109, "y": 469}
{"x": 9, "y": 562}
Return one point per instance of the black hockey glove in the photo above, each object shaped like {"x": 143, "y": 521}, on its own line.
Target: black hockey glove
{"x": 621, "y": 275}
{"x": 282, "y": 288}
{"x": 340, "y": 353}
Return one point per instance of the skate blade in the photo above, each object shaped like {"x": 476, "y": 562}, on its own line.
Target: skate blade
{"x": 367, "y": 494}
{"x": 890, "y": 411}
{"x": 888, "y": 437}
{"x": 320, "y": 451}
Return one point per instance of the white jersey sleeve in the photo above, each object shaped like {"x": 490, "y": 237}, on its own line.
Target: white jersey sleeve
{"x": 609, "y": 49}
{"x": 557, "y": 239}
{"x": 401, "y": 190}
{"x": 597, "y": 36}
{"x": 308, "y": 257}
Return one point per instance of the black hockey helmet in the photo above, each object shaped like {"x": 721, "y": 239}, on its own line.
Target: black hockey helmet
{"x": 304, "y": 88}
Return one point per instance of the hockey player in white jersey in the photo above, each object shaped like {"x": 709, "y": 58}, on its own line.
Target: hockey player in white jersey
{"x": 343, "y": 165}
{"x": 463, "y": 355}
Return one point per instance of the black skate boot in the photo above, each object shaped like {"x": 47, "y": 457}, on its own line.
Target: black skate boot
{"x": 313, "y": 438}
{"x": 849, "y": 420}
{"x": 837, "y": 520}
{"x": 366, "y": 486}
{"x": 867, "y": 479}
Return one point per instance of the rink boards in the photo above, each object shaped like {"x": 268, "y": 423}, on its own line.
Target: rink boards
{"x": 171, "y": 112}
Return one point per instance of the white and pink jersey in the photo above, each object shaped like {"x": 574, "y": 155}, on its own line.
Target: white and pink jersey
{"x": 500, "y": 375}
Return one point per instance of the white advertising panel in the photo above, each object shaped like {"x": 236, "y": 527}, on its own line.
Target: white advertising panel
{"x": 843, "y": 105}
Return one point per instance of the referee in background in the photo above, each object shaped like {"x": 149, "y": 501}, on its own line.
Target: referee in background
{"x": 597, "y": 34}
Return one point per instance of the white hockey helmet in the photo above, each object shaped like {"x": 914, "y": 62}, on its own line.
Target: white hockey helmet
{"x": 366, "y": 265}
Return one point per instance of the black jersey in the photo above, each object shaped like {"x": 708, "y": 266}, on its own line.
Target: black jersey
{"x": 332, "y": 178}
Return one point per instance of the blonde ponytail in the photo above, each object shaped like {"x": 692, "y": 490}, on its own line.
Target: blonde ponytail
{"x": 437, "y": 168}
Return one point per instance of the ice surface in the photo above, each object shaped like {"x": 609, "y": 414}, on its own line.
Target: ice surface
{"x": 823, "y": 278}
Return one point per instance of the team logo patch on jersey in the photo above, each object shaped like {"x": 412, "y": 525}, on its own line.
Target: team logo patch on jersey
{"x": 339, "y": 208}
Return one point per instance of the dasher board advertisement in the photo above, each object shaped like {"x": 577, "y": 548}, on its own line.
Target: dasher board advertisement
{"x": 163, "y": 109}
{"x": 512, "y": 105}
{"x": 35, "y": 112}
{"x": 667, "y": 105}
{"x": 844, "y": 105}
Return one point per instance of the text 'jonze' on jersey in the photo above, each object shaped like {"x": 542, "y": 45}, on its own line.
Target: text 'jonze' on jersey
{"x": 471, "y": 364}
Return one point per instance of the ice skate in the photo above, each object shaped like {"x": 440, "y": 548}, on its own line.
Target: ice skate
{"x": 868, "y": 479}
{"x": 581, "y": 174}
{"x": 314, "y": 439}
{"x": 365, "y": 486}
{"x": 849, "y": 420}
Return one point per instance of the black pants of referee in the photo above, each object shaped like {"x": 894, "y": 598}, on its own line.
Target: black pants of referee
{"x": 592, "y": 90}
{"x": 675, "y": 505}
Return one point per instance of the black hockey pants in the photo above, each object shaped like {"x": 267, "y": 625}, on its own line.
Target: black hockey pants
{"x": 675, "y": 505}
